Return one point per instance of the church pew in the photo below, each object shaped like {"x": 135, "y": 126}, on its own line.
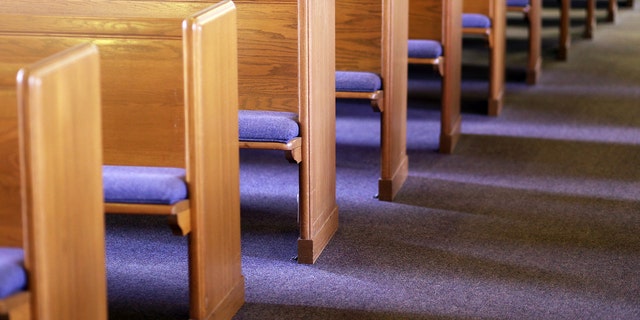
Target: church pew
{"x": 440, "y": 21}
{"x": 371, "y": 41}
{"x": 157, "y": 115}
{"x": 286, "y": 73}
{"x": 495, "y": 31}
{"x": 532, "y": 11}
{"x": 52, "y": 244}
{"x": 286, "y": 63}
{"x": 590, "y": 23}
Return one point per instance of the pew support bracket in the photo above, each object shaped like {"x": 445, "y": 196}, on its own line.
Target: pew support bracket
{"x": 292, "y": 149}
{"x": 178, "y": 214}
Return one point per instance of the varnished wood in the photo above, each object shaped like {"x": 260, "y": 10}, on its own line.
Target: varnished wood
{"x": 442, "y": 21}
{"x": 292, "y": 149}
{"x": 376, "y": 98}
{"x": 589, "y": 27}
{"x": 286, "y": 59}
{"x": 496, "y": 11}
{"x": 533, "y": 15}
{"x": 54, "y": 126}
{"x": 316, "y": 82}
{"x": 286, "y": 56}
{"x": 371, "y": 36}
{"x": 178, "y": 214}
{"x": 213, "y": 164}
{"x": 156, "y": 113}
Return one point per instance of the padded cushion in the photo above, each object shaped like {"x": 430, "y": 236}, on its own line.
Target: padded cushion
{"x": 13, "y": 276}
{"x": 357, "y": 81}
{"x": 267, "y": 126}
{"x": 150, "y": 185}
{"x": 475, "y": 20}
{"x": 517, "y": 3}
{"x": 425, "y": 49}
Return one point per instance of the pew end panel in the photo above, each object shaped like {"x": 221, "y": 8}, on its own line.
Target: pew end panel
{"x": 533, "y": 14}
{"x": 442, "y": 21}
{"x": 51, "y": 120}
{"x": 286, "y": 63}
{"x": 371, "y": 39}
{"x": 211, "y": 86}
{"x": 495, "y": 10}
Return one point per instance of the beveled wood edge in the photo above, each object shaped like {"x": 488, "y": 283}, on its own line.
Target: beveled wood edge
{"x": 293, "y": 148}
{"x": 178, "y": 214}
{"x": 14, "y": 301}
{"x": 376, "y": 98}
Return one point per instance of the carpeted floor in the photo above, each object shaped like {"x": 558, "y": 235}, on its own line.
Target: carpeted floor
{"x": 535, "y": 216}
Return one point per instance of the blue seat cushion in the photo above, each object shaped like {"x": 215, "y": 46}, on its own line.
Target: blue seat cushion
{"x": 267, "y": 126}
{"x": 517, "y": 3}
{"x": 357, "y": 81}
{"x": 425, "y": 49}
{"x": 475, "y": 20}
{"x": 149, "y": 185}
{"x": 13, "y": 276}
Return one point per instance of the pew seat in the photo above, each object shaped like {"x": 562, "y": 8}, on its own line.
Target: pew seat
{"x": 138, "y": 184}
{"x": 425, "y": 51}
{"x": 475, "y": 20}
{"x": 277, "y": 130}
{"x": 360, "y": 85}
{"x": 13, "y": 275}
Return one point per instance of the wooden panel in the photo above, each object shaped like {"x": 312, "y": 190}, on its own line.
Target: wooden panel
{"x": 211, "y": 80}
{"x": 143, "y": 102}
{"x": 425, "y": 20}
{"x": 62, "y": 190}
{"x": 478, "y": 6}
{"x": 394, "y": 159}
{"x": 318, "y": 207}
{"x": 11, "y": 222}
{"x": 358, "y": 35}
{"x": 446, "y": 18}
{"x": 268, "y": 81}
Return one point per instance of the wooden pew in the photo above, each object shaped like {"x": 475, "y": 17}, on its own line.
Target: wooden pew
{"x": 286, "y": 59}
{"x": 590, "y": 23}
{"x": 371, "y": 37}
{"x": 286, "y": 62}
{"x": 496, "y": 11}
{"x": 156, "y": 113}
{"x": 441, "y": 21}
{"x": 533, "y": 14}
{"x": 51, "y": 180}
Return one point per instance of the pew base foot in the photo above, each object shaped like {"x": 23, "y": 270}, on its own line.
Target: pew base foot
{"x": 495, "y": 107}
{"x": 533, "y": 74}
{"x": 229, "y": 306}
{"x": 388, "y": 188}
{"x": 449, "y": 140}
{"x": 310, "y": 249}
